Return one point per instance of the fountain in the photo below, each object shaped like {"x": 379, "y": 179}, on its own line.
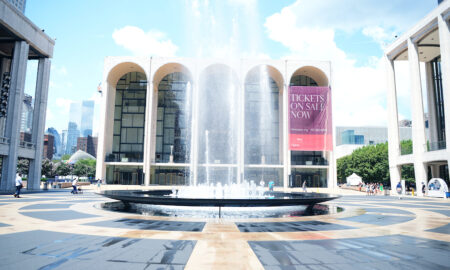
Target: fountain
{"x": 216, "y": 156}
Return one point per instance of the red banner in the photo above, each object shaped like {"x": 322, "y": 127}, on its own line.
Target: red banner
{"x": 310, "y": 127}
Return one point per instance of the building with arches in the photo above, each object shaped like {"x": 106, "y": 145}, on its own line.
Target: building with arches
{"x": 179, "y": 121}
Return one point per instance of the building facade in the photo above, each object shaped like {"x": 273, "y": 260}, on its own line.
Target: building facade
{"x": 57, "y": 142}
{"x": 87, "y": 117}
{"x": 22, "y": 41}
{"x": 49, "y": 146}
{"x": 426, "y": 48}
{"x": 184, "y": 121}
{"x": 19, "y": 4}
{"x": 88, "y": 144}
{"x": 27, "y": 114}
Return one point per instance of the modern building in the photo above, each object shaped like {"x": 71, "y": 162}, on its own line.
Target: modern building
{"x": 87, "y": 117}
{"x": 49, "y": 146}
{"x": 88, "y": 144}
{"x": 57, "y": 142}
{"x": 27, "y": 114}
{"x": 426, "y": 48}
{"x": 19, "y": 4}
{"x": 21, "y": 41}
{"x": 64, "y": 141}
{"x": 349, "y": 138}
{"x": 178, "y": 121}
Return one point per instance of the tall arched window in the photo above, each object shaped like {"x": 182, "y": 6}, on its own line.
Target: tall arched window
{"x": 174, "y": 114}
{"x": 129, "y": 118}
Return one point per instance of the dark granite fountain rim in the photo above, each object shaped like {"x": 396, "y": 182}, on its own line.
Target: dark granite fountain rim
{"x": 159, "y": 197}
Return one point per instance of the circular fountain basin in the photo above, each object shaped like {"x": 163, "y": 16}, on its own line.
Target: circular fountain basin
{"x": 166, "y": 197}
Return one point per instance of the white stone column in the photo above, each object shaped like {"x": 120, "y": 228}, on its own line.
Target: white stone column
{"x": 418, "y": 119}
{"x": 393, "y": 135}
{"x": 39, "y": 115}
{"x": 149, "y": 123}
{"x": 286, "y": 151}
{"x": 100, "y": 170}
{"x": 194, "y": 130}
{"x": 444, "y": 38}
{"x": 14, "y": 113}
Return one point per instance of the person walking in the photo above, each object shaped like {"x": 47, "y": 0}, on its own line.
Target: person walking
{"x": 304, "y": 186}
{"x": 19, "y": 185}
{"x": 74, "y": 185}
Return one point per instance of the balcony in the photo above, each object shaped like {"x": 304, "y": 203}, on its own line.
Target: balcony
{"x": 117, "y": 158}
{"x": 27, "y": 145}
{"x": 435, "y": 146}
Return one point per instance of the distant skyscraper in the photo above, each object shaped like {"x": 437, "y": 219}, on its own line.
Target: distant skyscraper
{"x": 63, "y": 141}
{"x": 87, "y": 114}
{"x": 72, "y": 135}
{"x": 57, "y": 141}
{"x": 19, "y": 4}
{"x": 27, "y": 114}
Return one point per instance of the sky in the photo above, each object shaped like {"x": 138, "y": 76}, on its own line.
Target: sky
{"x": 351, "y": 34}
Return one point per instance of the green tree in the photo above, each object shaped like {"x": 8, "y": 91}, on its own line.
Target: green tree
{"x": 65, "y": 157}
{"x": 85, "y": 167}
{"x": 63, "y": 169}
{"x": 22, "y": 166}
{"x": 48, "y": 168}
{"x": 370, "y": 162}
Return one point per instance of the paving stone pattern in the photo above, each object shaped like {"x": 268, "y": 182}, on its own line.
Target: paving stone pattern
{"x": 142, "y": 224}
{"x": 295, "y": 226}
{"x": 384, "y": 252}
{"x": 52, "y": 250}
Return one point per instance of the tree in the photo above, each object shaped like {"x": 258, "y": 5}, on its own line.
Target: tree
{"x": 22, "y": 166}
{"x": 65, "y": 157}
{"x": 370, "y": 162}
{"x": 63, "y": 169}
{"x": 85, "y": 167}
{"x": 48, "y": 168}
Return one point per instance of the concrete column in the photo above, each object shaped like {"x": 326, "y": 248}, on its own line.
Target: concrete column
{"x": 14, "y": 113}
{"x": 194, "y": 130}
{"x": 39, "y": 114}
{"x": 444, "y": 37}
{"x": 395, "y": 173}
{"x": 241, "y": 134}
{"x": 286, "y": 152}
{"x": 100, "y": 165}
{"x": 393, "y": 135}
{"x": 149, "y": 123}
{"x": 418, "y": 120}
{"x": 435, "y": 171}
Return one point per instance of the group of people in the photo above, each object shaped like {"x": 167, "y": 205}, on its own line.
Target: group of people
{"x": 372, "y": 188}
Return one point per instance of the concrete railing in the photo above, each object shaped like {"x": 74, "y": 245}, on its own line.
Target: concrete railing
{"x": 27, "y": 145}
{"x": 4, "y": 140}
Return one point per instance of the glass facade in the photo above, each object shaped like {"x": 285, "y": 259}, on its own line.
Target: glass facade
{"x": 129, "y": 118}
{"x": 124, "y": 175}
{"x": 439, "y": 100}
{"x": 264, "y": 174}
{"x": 173, "y": 132}
{"x": 218, "y": 117}
{"x": 262, "y": 119}
{"x": 169, "y": 175}
{"x": 313, "y": 177}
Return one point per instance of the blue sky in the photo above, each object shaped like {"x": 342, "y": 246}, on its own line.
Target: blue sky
{"x": 351, "y": 34}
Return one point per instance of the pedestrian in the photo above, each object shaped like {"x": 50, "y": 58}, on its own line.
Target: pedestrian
{"x": 74, "y": 185}
{"x": 271, "y": 184}
{"x": 399, "y": 190}
{"x": 424, "y": 189}
{"x": 19, "y": 185}
{"x": 304, "y": 186}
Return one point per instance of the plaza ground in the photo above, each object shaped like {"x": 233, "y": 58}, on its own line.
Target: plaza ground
{"x": 58, "y": 230}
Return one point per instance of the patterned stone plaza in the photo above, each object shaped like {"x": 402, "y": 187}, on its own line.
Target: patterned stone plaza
{"x": 58, "y": 230}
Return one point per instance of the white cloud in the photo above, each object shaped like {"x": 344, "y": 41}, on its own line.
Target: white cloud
{"x": 63, "y": 105}
{"x": 358, "y": 91}
{"x": 151, "y": 43}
